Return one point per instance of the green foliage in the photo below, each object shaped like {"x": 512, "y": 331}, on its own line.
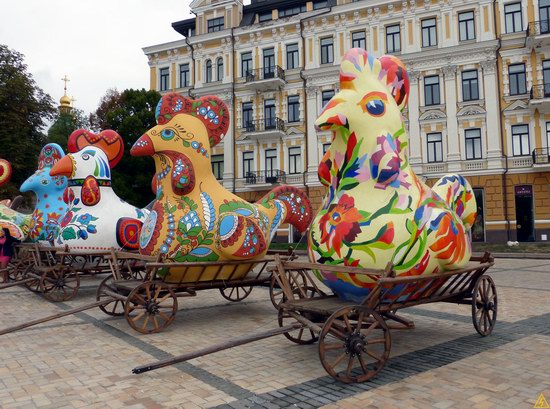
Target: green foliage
{"x": 130, "y": 113}
{"x": 64, "y": 125}
{"x": 24, "y": 111}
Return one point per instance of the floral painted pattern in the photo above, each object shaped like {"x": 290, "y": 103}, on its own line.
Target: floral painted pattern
{"x": 376, "y": 210}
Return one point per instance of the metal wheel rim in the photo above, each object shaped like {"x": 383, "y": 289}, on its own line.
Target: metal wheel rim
{"x": 139, "y": 300}
{"x": 356, "y": 339}
{"x": 484, "y": 305}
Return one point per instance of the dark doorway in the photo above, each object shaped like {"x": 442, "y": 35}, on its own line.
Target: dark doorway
{"x": 524, "y": 213}
{"x": 478, "y": 229}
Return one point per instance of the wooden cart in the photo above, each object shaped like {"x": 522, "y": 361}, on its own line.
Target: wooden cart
{"x": 354, "y": 337}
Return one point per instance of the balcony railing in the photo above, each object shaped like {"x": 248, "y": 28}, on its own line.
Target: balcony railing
{"x": 540, "y": 91}
{"x": 541, "y": 156}
{"x": 537, "y": 28}
{"x": 267, "y": 124}
{"x": 265, "y": 176}
{"x": 265, "y": 73}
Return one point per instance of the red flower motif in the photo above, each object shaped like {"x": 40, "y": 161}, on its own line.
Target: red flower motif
{"x": 67, "y": 219}
{"x": 340, "y": 223}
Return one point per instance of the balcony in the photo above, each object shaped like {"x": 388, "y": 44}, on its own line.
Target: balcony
{"x": 264, "y": 129}
{"x": 265, "y": 79}
{"x": 474, "y": 164}
{"x": 538, "y": 34}
{"x": 516, "y": 162}
{"x": 539, "y": 98}
{"x": 436, "y": 167}
{"x": 541, "y": 157}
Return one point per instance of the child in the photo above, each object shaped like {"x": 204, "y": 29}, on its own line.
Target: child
{"x": 6, "y": 252}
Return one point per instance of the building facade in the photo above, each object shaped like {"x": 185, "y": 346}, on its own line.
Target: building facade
{"x": 477, "y": 104}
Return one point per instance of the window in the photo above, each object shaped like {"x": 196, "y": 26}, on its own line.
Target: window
{"x": 294, "y": 160}
{"x": 269, "y": 114}
{"x": 544, "y": 16}
{"x": 435, "y": 147}
{"x": 248, "y": 164}
{"x": 269, "y": 62}
{"x": 291, "y": 11}
{"x": 473, "y": 143}
{"x": 215, "y": 24}
{"x": 217, "y": 166}
{"x": 466, "y": 28}
{"x": 326, "y": 146}
{"x": 326, "y": 96}
{"x": 393, "y": 38}
{"x": 512, "y": 17}
{"x": 546, "y": 77}
{"x": 265, "y": 16}
{"x": 429, "y": 32}
{"x": 520, "y": 140}
{"x": 319, "y": 4}
{"x": 219, "y": 69}
{"x": 517, "y": 79}
{"x": 184, "y": 75}
{"x": 431, "y": 90}
{"x": 293, "y": 103}
{"x": 246, "y": 64}
{"x": 359, "y": 40}
{"x": 470, "y": 87}
{"x": 292, "y": 59}
{"x": 208, "y": 71}
{"x": 548, "y": 137}
{"x": 164, "y": 78}
{"x": 248, "y": 124}
{"x": 327, "y": 51}
{"x": 270, "y": 162}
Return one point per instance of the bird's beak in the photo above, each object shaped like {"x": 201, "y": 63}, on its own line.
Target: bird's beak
{"x": 64, "y": 167}
{"x": 143, "y": 147}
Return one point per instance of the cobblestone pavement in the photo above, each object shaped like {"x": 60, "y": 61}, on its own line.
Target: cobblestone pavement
{"x": 85, "y": 360}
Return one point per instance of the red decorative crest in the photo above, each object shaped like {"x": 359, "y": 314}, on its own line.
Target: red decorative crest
{"x": 108, "y": 141}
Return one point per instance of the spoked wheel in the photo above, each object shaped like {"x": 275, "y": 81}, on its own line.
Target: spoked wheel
{"x": 17, "y": 270}
{"x": 151, "y": 307}
{"x": 34, "y": 285}
{"x": 296, "y": 279}
{"x": 235, "y": 293}
{"x": 354, "y": 344}
{"x": 115, "y": 308}
{"x": 300, "y": 336}
{"x": 60, "y": 284}
{"x": 484, "y": 305}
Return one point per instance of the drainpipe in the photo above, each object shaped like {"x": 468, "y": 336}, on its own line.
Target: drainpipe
{"x": 233, "y": 103}
{"x": 306, "y": 162}
{"x": 192, "y": 58}
{"x": 505, "y": 156}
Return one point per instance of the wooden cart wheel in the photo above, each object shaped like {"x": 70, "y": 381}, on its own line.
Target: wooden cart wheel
{"x": 235, "y": 293}
{"x": 60, "y": 284}
{"x": 115, "y": 308}
{"x": 151, "y": 307}
{"x": 296, "y": 279}
{"x": 354, "y": 344}
{"x": 18, "y": 268}
{"x": 484, "y": 305}
{"x": 33, "y": 285}
{"x": 300, "y": 336}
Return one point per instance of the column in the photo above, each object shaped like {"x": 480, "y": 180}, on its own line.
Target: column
{"x": 229, "y": 145}
{"x": 311, "y": 135}
{"x": 490, "y": 85}
{"x": 415, "y": 142}
{"x": 453, "y": 138}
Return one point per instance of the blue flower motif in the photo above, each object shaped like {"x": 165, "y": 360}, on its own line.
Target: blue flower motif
{"x": 202, "y": 111}
{"x": 91, "y": 229}
{"x": 84, "y": 218}
{"x": 83, "y": 234}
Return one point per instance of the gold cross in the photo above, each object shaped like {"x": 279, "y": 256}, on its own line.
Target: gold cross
{"x": 65, "y": 79}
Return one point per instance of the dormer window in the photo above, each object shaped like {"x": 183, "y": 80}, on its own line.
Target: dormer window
{"x": 265, "y": 16}
{"x": 291, "y": 11}
{"x": 215, "y": 24}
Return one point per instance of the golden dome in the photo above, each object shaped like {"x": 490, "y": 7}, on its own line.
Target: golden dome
{"x": 65, "y": 101}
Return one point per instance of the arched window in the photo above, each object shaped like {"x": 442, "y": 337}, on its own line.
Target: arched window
{"x": 208, "y": 71}
{"x": 219, "y": 66}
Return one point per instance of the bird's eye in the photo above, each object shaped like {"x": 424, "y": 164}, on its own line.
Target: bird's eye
{"x": 44, "y": 181}
{"x": 376, "y": 107}
{"x": 85, "y": 156}
{"x": 167, "y": 134}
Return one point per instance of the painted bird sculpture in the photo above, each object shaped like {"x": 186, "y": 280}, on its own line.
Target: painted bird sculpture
{"x": 97, "y": 219}
{"x": 51, "y": 200}
{"x": 376, "y": 209}
{"x": 194, "y": 218}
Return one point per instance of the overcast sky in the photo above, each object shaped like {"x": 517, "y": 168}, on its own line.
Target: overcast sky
{"x": 96, "y": 43}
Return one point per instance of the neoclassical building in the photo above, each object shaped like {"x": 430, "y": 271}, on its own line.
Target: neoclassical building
{"x": 471, "y": 108}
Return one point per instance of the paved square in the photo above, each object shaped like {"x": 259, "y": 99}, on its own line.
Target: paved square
{"x": 85, "y": 360}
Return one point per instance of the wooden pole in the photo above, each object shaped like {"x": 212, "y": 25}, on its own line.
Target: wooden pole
{"x": 16, "y": 283}
{"x": 55, "y": 316}
{"x": 217, "y": 347}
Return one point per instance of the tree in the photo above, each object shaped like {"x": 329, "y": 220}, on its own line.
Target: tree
{"x": 130, "y": 113}
{"x": 24, "y": 111}
{"x": 65, "y": 124}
